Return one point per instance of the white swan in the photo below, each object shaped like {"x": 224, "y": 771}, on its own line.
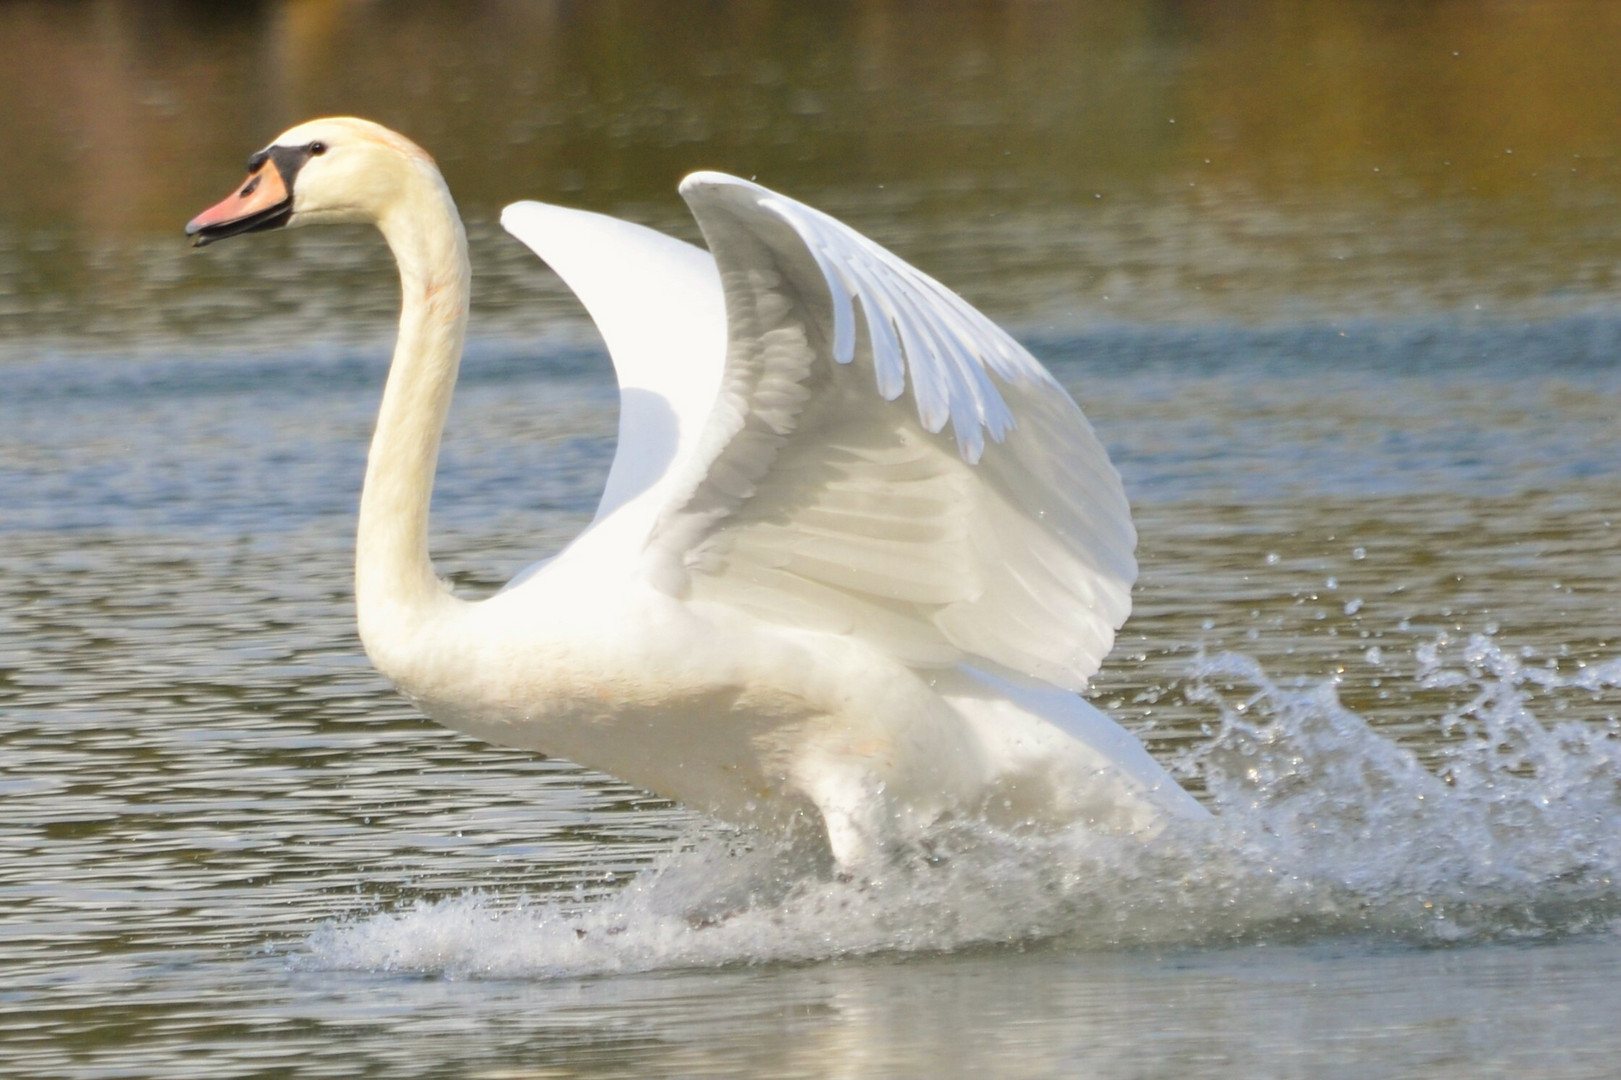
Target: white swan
{"x": 801, "y": 599}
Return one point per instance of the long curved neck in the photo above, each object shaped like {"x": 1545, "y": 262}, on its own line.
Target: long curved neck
{"x": 396, "y": 590}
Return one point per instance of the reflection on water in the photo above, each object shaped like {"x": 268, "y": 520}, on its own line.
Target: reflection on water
{"x": 1376, "y": 627}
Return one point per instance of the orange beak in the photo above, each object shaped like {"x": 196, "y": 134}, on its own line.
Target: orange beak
{"x": 263, "y": 202}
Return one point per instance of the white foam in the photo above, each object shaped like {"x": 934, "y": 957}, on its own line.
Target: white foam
{"x": 1325, "y": 827}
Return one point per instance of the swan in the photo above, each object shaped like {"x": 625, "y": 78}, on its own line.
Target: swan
{"x": 857, "y": 554}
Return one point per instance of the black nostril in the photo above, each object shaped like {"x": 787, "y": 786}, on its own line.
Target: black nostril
{"x": 253, "y": 186}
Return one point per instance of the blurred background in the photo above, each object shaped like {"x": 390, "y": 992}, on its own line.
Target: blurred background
{"x": 1255, "y": 161}
{"x": 1335, "y": 281}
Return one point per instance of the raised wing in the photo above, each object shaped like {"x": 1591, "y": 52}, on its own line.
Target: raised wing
{"x": 823, "y": 491}
{"x": 658, "y": 304}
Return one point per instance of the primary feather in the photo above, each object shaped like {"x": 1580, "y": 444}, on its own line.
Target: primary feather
{"x": 822, "y": 490}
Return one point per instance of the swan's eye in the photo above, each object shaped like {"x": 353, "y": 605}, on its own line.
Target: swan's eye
{"x": 317, "y": 148}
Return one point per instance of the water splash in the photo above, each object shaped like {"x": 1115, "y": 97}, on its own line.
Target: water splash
{"x": 1325, "y": 827}
{"x": 1518, "y": 832}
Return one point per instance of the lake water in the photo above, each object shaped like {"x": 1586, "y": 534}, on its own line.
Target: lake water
{"x": 1370, "y": 428}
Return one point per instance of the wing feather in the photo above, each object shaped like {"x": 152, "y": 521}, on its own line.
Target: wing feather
{"x": 658, "y": 304}
{"x": 825, "y": 492}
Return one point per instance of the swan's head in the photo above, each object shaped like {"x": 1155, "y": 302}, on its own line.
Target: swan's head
{"x": 322, "y": 172}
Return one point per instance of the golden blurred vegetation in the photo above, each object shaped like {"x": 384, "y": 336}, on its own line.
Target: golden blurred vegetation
{"x": 1253, "y": 118}
{"x": 121, "y": 116}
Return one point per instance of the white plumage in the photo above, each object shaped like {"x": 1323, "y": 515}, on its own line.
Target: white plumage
{"x": 802, "y": 601}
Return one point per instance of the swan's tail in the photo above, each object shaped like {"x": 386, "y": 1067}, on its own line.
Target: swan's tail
{"x": 1056, "y": 759}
